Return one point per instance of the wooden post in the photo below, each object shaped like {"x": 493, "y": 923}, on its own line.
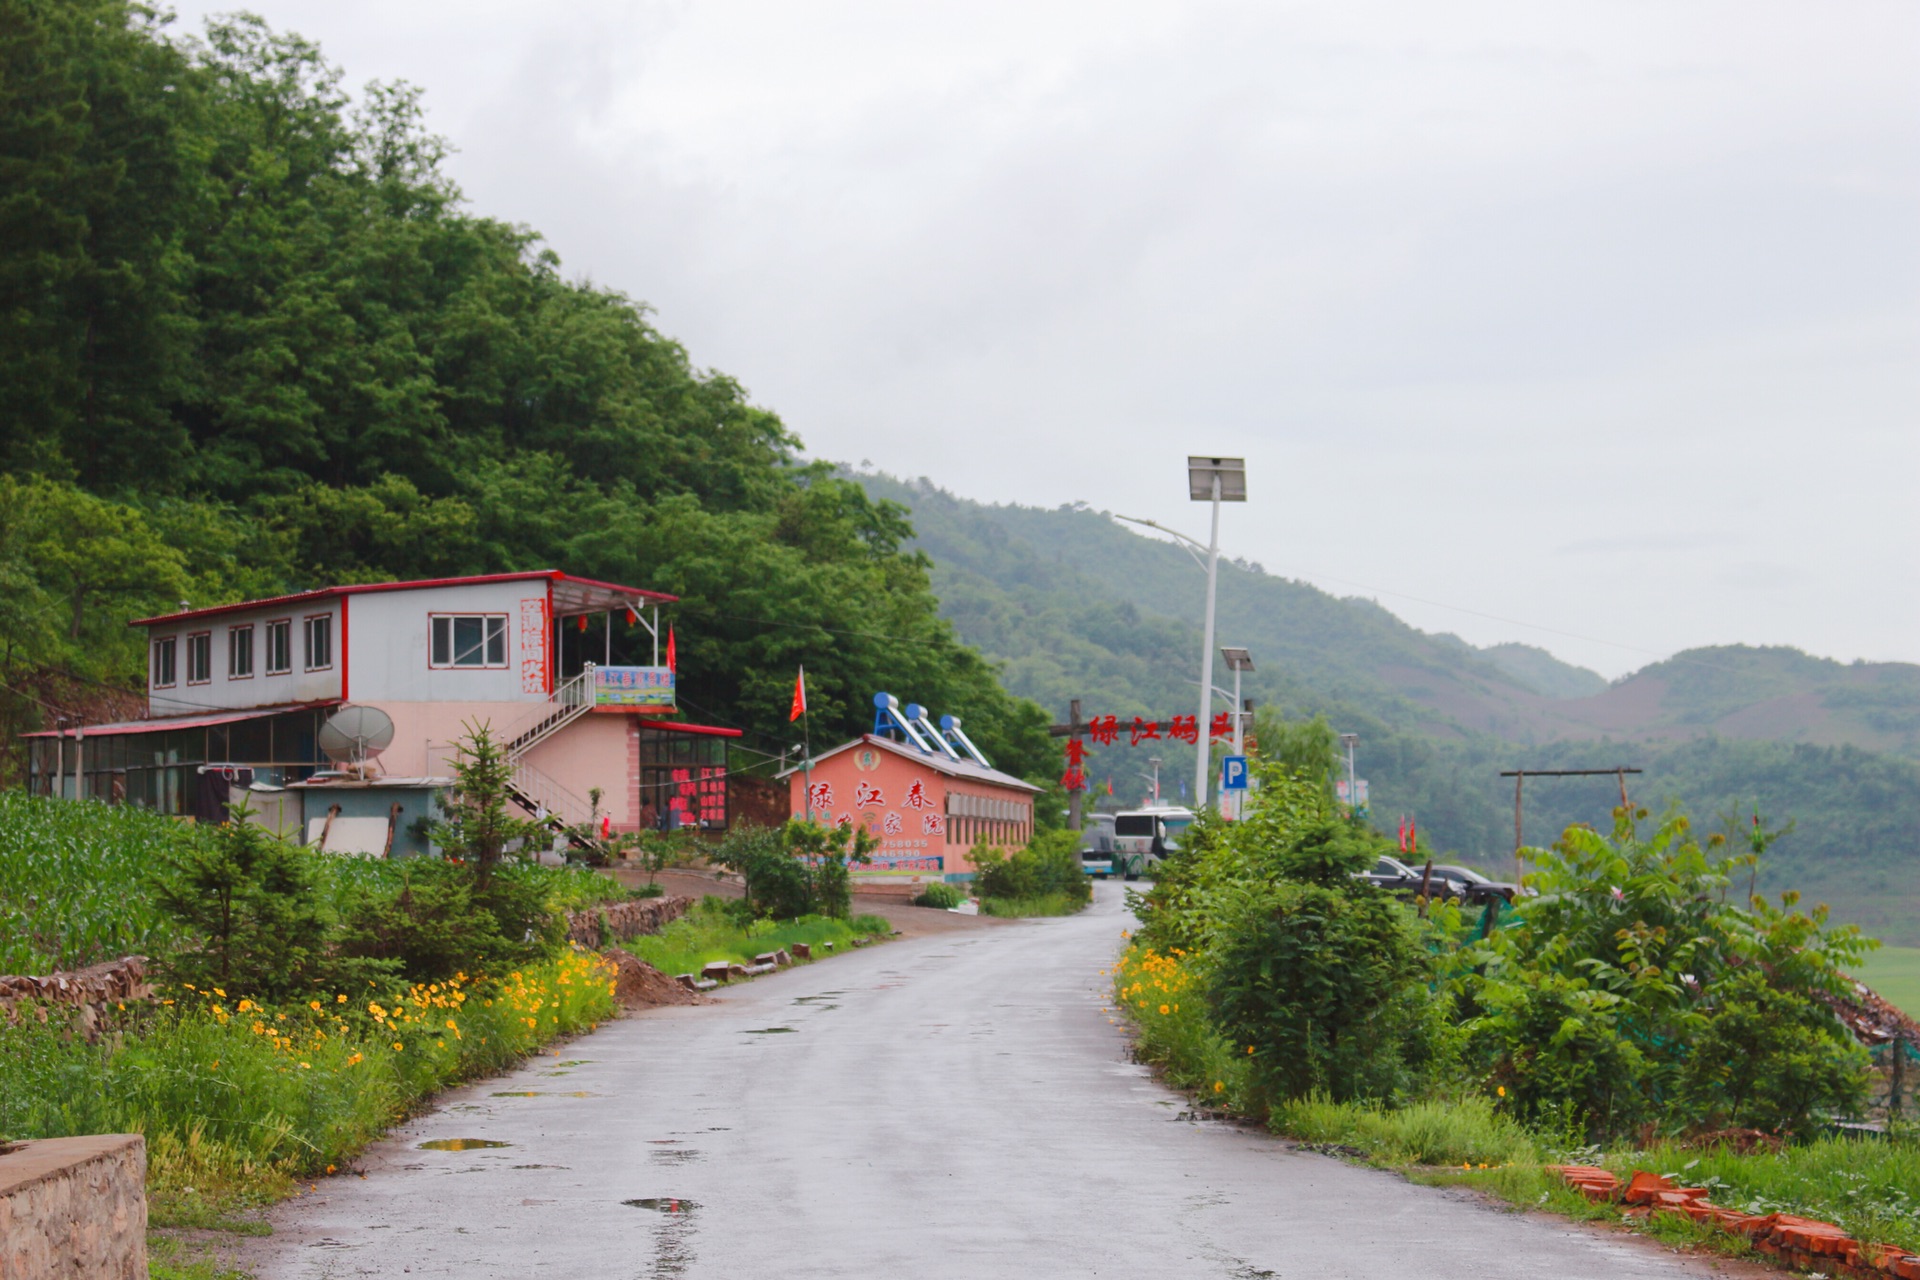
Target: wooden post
{"x": 1897, "y": 1084}
{"x": 1621, "y": 774}
{"x": 1426, "y": 880}
{"x": 1519, "y": 779}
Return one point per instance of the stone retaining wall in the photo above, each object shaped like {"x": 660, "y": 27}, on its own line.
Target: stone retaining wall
{"x": 88, "y": 992}
{"x": 72, "y": 1207}
{"x": 599, "y": 927}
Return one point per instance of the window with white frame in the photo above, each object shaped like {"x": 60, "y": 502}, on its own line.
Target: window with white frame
{"x": 200, "y": 657}
{"x": 280, "y": 646}
{"x": 163, "y": 659}
{"x": 319, "y": 642}
{"x": 240, "y": 652}
{"x": 468, "y": 640}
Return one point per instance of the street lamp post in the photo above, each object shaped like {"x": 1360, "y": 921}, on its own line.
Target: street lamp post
{"x": 1238, "y": 660}
{"x": 1350, "y": 741}
{"x": 1214, "y": 480}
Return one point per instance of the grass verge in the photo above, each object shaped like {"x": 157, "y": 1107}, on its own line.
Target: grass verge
{"x": 238, "y": 1102}
{"x": 710, "y": 933}
{"x": 1871, "y": 1189}
{"x": 1045, "y": 904}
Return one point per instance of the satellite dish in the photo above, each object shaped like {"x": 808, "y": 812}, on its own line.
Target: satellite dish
{"x": 356, "y": 733}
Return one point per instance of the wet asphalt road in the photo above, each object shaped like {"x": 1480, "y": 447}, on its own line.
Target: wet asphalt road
{"x": 956, "y": 1105}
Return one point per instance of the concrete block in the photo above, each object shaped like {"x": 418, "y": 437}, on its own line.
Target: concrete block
{"x": 801, "y": 951}
{"x": 72, "y": 1207}
{"x": 718, "y": 971}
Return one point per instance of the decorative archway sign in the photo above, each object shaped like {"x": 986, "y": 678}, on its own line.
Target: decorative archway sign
{"x": 1109, "y": 730}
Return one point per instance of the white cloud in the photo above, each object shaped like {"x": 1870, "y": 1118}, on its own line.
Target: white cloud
{"x": 1468, "y": 283}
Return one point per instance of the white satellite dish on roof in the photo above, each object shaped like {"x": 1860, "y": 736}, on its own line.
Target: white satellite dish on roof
{"x": 356, "y": 734}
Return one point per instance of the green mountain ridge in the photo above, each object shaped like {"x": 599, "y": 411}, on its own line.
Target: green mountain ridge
{"x": 1073, "y": 605}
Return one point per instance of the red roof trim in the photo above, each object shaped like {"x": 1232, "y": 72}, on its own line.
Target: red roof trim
{"x": 710, "y": 730}
{"x": 549, "y": 575}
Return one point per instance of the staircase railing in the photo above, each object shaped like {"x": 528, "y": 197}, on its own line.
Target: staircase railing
{"x": 571, "y": 699}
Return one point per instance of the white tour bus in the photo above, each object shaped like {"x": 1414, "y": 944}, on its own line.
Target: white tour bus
{"x": 1141, "y": 837}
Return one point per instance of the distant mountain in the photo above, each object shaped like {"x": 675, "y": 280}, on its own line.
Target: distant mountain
{"x": 1078, "y": 605}
{"x": 1543, "y": 673}
{"x": 1074, "y": 605}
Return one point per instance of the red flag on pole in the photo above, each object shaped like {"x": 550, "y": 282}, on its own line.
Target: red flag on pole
{"x": 799, "y": 696}
{"x": 672, "y": 664}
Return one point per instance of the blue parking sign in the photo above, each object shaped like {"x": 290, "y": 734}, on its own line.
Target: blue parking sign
{"x": 1233, "y": 773}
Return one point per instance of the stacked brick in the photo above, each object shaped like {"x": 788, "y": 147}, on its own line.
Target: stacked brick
{"x": 599, "y": 927}
{"x": 1801, "y": 1242}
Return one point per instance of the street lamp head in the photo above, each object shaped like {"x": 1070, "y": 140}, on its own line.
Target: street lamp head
{"x": 1349, "y": 740}
{"x": 1232, "y": 473}
{"x": 1237, "y": 659}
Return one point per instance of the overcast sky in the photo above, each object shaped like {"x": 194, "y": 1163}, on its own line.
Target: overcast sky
{"x": 1600, "y": 318}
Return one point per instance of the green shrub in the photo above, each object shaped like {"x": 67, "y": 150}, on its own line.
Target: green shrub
{"x": 1770, "y": 1060}
{"x": 1327, "y": 982}
{"x": 1048, "y": 866}
{"x": 431, "y": 921}
{"x": 1629, "y": 991}
{"x": 943, "y": 896}
{"x": 246, "y": 902}
{"x": 798, "y": 869}
{"x": 1046, "y": 904}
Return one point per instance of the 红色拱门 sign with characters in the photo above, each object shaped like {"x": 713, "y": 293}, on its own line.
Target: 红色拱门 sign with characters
{"x": 647, "y": 687}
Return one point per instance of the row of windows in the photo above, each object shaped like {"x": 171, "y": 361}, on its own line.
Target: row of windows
{"x": 457, "y": 640}
{"x": 316, "y": 632}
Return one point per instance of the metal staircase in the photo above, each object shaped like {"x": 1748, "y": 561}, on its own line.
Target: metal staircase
{"x": 545, "y": 799}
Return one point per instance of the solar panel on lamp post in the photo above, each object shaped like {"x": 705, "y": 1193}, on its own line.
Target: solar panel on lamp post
{"x": 1214, "y": 480}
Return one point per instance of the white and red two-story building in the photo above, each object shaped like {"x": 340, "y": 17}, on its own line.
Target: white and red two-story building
{"x": 247, "y": 687}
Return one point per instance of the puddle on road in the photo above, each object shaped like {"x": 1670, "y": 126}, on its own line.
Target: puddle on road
{"x": 673, "y": 1236}
{"x": 461, "y": 1144}
{"x": 541, "y": 1166}
{"x": 675, "y": 1157}
{"x": 574, "y": 1062}
{"x": 812, "y": 1001}
{"x": 769, "y": 1031}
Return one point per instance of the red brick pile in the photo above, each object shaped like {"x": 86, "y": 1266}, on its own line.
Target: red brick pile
{"x": 1802, "y": 1242}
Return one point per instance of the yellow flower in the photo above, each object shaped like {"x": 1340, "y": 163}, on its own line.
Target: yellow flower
{"x": 396, "y": 1046}
{"x": 340, "y": 999}
{"x": 215, "y": 1064}
{"x": 313, "y": 1004}
{"x": 306, "y": 1066}
{"x": 355, "y": 1060}
{"x": 1164, "y": 1010}
{"x": 1219, "y": 1086}
{"x": 1249, "y": 1051}
{"x": 217, "y": 991}
{"x": 1502, "y": 1091}
{"x": 450, "y": 1025}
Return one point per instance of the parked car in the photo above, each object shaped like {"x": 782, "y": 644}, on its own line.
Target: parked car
{"x": 1397, "y": 877}
{"x": 1480, "y": 887}
{"x": 1096, "y": 845}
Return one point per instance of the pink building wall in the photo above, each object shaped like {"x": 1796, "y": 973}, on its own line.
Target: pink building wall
{"x": 909, "y": 805}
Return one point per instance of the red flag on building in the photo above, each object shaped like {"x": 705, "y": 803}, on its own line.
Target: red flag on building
{"x": 672, "y": 662}
{"x": 799, "y": 696}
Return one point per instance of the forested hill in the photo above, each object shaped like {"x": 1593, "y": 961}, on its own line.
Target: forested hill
{"x": 252, "y": 340}
{"x": 1076, "y": 606}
